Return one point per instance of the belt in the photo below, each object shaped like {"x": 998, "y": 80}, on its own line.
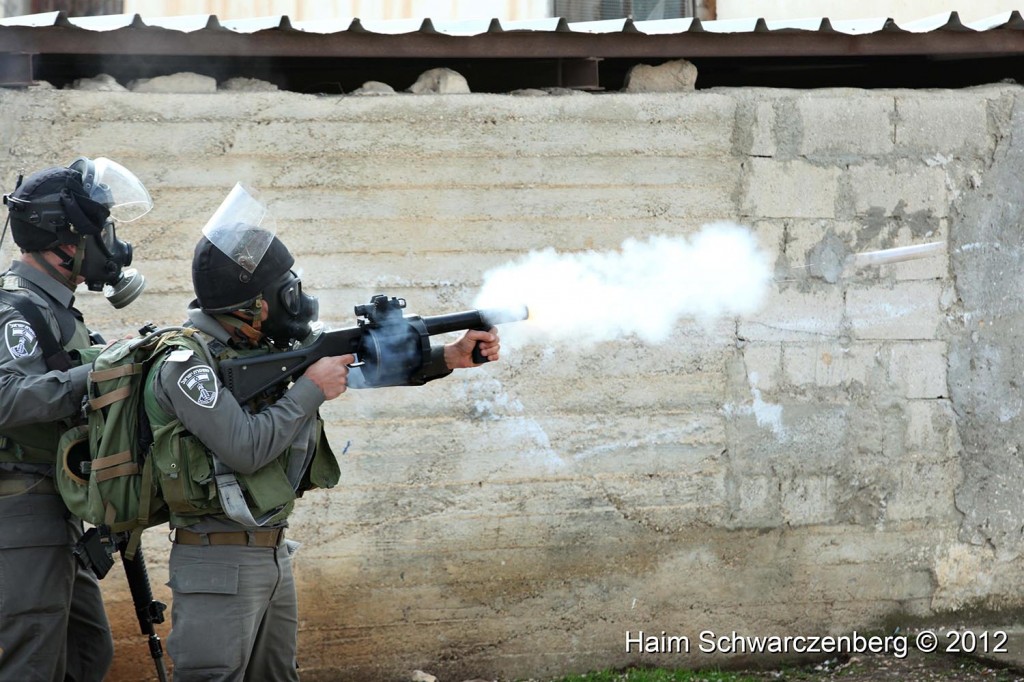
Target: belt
{"x": 33, "y": 485}
{"x": 244, "y": 538}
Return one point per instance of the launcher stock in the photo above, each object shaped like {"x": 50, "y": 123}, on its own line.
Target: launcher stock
{"x": 390, "y": 348}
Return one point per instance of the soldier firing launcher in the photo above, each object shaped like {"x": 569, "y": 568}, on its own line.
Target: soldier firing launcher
{"x": 391, "y": 349}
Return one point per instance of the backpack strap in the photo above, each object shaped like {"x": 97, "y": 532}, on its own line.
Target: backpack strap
{"x": 65, "y": 317}
{"x": 158, "y": 340}
{"x": 115, "y": 372}
{"x": 54, "y": 355}
{"x": 111, "y": 397}
{"x": 112, "y": 466}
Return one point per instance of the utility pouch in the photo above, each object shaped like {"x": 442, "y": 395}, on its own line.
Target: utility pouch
{"x": 93, "y": 553}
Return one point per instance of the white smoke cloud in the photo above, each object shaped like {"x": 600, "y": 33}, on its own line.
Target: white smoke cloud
{"x": 643, "y": 289}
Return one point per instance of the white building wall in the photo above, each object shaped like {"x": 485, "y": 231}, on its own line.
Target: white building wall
{"x": 307, "y": 10}
{"x": 900, "y": 10}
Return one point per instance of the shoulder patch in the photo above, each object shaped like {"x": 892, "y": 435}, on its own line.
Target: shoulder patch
{"x": 199, "y": 385}
{"x": 20, "y": 339}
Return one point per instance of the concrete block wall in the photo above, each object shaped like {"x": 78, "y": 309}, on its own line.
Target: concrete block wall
{"x": 842, "y": 458}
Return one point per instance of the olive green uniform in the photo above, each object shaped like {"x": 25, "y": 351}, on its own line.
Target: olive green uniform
{"x": 52, "y": 622}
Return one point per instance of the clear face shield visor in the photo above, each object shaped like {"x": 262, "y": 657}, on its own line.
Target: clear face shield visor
{"x": 241, "y": 228}
{"x": 111, "y": 184}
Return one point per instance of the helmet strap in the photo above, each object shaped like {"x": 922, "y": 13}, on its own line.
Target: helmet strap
{"x": 53, "y": 271}
{"x": 3, "y": 234}
{"x": 79, "y": 258}
{"x": 240, "y": 329}
{"x": 246, "y": 322}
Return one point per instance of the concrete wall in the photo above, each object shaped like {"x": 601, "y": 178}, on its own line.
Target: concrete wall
{"x": 846, "y": 457}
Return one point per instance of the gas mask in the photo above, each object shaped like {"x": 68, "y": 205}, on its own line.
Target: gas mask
{"x": 291, "y": 312}
{"x": 103, "y": 266}
{"x": 102, "y": 257}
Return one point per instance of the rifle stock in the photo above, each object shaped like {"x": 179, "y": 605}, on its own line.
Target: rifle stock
{"x": 389, "y": 347}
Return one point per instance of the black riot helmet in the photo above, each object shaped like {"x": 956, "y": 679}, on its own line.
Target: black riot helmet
{"x": 238, "y": 261}
{"x": 52, "y": 207}
{"x": 222, "y": 285}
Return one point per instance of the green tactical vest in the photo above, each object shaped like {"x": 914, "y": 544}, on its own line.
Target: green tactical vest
{"x": 37, "y": 443}
{"x": 184, "y": 466}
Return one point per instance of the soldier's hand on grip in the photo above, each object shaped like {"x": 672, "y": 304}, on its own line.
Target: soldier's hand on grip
{"x": 330, "y": 374}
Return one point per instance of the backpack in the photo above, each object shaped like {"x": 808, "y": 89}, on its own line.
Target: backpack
{"x": 104, "y": 470}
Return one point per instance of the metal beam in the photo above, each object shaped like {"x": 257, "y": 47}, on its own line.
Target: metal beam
{"x": 15, "y": 69}
{"x": 579, "y": 74}
{"x": 218, "y": 41}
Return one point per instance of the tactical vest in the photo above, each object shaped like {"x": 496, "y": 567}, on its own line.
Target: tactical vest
{"x": 37, "y": 443}
{"x": 185, "y": 467}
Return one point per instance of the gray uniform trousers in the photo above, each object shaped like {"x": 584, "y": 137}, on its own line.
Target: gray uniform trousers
{"x": 234, "y": 614}
{"x": 52, "y": 623}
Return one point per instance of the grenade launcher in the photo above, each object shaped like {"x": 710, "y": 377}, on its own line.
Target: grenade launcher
{"x": 391, "y": 349}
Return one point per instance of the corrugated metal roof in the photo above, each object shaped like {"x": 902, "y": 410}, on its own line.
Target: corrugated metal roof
{"x": 946, "y": 21}
{"x": 502, "y": 55}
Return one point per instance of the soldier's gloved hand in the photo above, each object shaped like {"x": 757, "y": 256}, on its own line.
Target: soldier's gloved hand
{"x": 330, "y": 374}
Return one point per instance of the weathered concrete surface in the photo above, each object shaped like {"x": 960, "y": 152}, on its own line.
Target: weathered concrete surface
{"x": 985, "y": 362}
{"x": 845, "y": 457}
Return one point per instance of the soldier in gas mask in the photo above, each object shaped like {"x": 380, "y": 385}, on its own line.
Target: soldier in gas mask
{"x": 52, "y": 622}
{"x": 239, "y": 468}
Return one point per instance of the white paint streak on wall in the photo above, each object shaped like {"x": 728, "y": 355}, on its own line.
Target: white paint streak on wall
{"x": 768, "y": 415}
